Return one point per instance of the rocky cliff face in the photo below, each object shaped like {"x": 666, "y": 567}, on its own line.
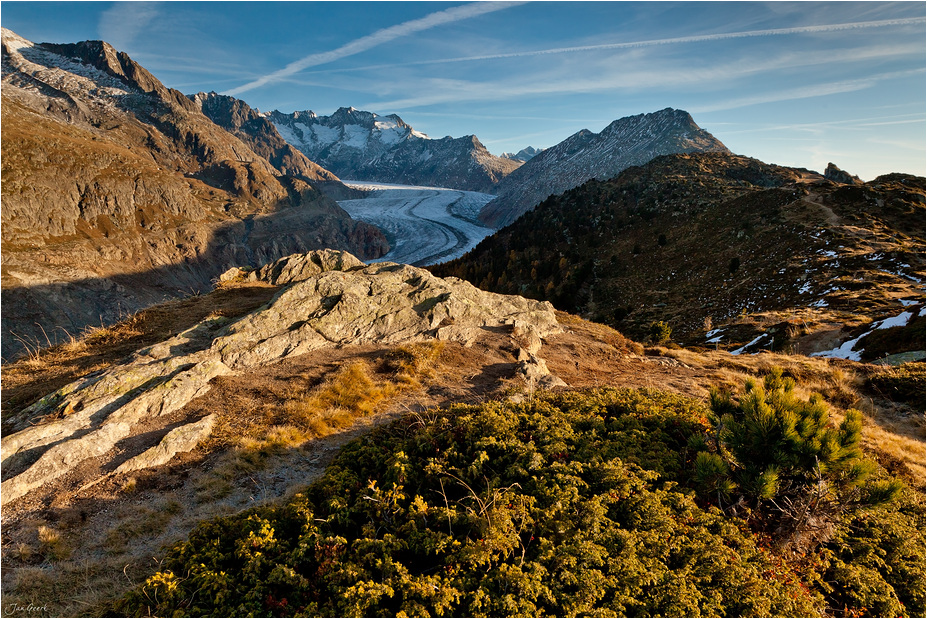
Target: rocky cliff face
{"x": 118, "y": 193}
{"x": 362, "y": 145}
{"x": 633, "y": 140}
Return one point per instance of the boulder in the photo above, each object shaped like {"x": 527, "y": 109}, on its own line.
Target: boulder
{"x": 180, "y": 439}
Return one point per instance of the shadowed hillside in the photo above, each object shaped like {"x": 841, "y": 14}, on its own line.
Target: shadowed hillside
{"x": 722, "y": 244}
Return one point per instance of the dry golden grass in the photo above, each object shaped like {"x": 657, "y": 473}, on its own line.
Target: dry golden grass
{"x": 47, "y": 369}
{"x": 134, "y": 522}
{"x": 352, "y": 392}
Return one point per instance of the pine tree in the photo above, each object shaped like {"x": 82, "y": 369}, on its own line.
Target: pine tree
{"x": 783, "y": 459}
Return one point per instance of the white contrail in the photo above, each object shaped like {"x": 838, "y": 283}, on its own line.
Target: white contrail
{"x": 710, "y": 37}
{"x": 379, "y": 37}
{"x": 907, "y": 21}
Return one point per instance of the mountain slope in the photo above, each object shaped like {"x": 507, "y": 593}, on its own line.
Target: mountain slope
{"x": 362, "y": 145}
{"x": 119, "y": 193}
{"x": 259, "y": 133}
{"x": 633, "y": 140}
{"x": 714, "y": 240}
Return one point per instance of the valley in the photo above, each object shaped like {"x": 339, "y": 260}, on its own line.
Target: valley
{"x": 424, "y": 225}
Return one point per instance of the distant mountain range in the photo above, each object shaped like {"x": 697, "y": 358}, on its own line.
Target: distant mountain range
{"x": 525, "y": 154}
{"x": 119, "y": 192}
{"x": 633, "y": 140}
{"x": 362, "y": 145}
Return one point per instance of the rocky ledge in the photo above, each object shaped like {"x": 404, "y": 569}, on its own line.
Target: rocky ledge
{"x": 330, "y": 299}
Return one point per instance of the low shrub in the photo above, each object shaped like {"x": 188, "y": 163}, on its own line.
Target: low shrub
{"x": 569, "y": 504}
{"x": 563, "y": 505}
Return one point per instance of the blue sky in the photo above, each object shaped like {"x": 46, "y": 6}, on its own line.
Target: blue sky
{"x": 798, "y": 84}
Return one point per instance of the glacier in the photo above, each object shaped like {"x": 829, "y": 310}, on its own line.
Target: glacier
{"x": 425, "y": 225}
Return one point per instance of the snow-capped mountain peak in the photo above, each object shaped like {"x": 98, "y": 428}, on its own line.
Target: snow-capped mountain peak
{"x": 363, "y": 145}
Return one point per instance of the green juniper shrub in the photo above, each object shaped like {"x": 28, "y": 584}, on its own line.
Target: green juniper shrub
{"x": 568, "y": 504}
{"x": 563, "y": 505}
{"x": 874, "y": 564}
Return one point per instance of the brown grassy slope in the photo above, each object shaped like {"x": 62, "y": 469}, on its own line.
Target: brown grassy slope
{"x": 691, "y": 238}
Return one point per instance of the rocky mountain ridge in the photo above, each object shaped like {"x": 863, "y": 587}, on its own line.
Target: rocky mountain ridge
{"x": 119, "y": 193}
{"x": 633, "y": 140}
{"x": 359, "y": 145}
{"x": 259, "y": 133}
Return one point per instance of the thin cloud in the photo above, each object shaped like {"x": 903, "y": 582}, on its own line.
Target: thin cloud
{"x": 908, "y": 21}
{"x": 436, "y": 91}
{"x": 120, "y": 24}
{"x": 817, "y": 90}
{"x": 379, "y": 37}
{"x": 849, "y": 123}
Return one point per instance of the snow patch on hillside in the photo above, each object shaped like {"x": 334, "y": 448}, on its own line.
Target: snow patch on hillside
{"x": 846, "y": 350}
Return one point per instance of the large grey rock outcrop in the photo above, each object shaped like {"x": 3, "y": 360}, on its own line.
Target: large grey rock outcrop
{"x": 384, "y": 304}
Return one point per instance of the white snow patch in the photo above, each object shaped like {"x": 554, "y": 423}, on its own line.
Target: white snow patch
{"x": 805, "y": 288}
{"x": 355, "y": 136}
{"x": 325, "y": 135}
{"x": 819, "y": 303}
{"x": 906, "y": 302}
{"x": 749, "y": 344}
{"x": 845, "y": 350}
{"x": 385, "y": 125}
{"x": 390, "y": 135}
{"x": 895, "y": 321}
{"x": 288, "y": 134}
